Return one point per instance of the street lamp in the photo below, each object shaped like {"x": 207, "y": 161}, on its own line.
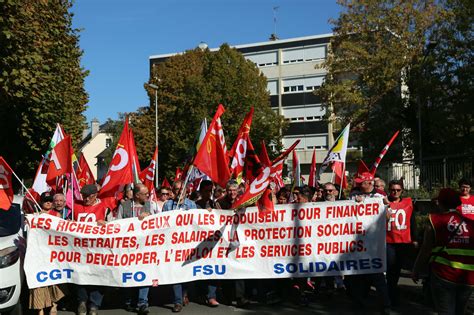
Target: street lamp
{"x": 155, "y": 87}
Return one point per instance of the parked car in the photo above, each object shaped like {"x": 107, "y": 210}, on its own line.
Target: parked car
{"x": 12, "y": 253}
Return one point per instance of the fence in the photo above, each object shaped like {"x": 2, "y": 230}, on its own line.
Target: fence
{"x": 435, "y": 172}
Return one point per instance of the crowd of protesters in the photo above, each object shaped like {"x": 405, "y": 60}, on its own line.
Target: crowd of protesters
{"x": 450, "y": 255}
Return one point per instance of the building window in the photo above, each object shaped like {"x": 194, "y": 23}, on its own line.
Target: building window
{"x": 264, "y": 59}
{"x": 108, "y": 142}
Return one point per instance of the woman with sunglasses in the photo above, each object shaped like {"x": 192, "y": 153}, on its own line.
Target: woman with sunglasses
{"x": 399, "y": 231}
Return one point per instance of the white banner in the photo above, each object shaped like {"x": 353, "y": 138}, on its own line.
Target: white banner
{"x": 296, "y": 240}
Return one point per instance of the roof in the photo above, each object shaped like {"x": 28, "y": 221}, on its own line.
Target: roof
{"x": 279, "y": 42}
{"x": 89, "y": 135}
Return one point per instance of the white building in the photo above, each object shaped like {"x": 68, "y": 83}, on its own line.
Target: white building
{"x": 94, "y": 142}
{"x": 293, "y": 69}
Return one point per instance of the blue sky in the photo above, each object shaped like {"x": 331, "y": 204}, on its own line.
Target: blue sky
{"x": 118, "y": 36}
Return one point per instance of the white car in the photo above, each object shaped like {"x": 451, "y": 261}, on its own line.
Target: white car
{"x": 12, "y": 253}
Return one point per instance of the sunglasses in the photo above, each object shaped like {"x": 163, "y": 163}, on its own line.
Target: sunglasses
{"x": 165, "y": 194}
{"x": 396, "y": 190}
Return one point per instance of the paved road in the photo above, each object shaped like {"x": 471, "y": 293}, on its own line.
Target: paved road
{"x": 338, "y": 303}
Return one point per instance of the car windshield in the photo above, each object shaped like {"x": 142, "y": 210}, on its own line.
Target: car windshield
{"x": 10, "y": 221}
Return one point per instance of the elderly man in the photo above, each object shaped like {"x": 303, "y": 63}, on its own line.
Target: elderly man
{"x": 59, "y": 207}
{"x": 90, "y": 209}
{"x": 330, "y": 192}
{"x": 140, "y": 207}
{"x": 358, "y": 284}
{"x": 232, "y": 192}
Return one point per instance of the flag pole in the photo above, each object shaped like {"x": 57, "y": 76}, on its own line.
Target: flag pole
{"x": 73, "y": 177}
{"x": 342, "y": 179}
{"x": 183, "y": 190}
{"x": 27, "y": 191}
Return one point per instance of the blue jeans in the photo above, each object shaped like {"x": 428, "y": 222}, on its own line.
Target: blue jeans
{"x": 449, "y": 298}
{"x": 142, "y": 296}
{"x": 211, "y": 291}
{"x": 91, "y": 294}
{"x": 178, "y": 293}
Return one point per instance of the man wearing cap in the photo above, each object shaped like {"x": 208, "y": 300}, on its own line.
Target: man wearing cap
{"x": 449, "y": 247}
{"x": 360, "y": 284}
{"x": 91, "y": 209}
{"x": 46, "y": 202}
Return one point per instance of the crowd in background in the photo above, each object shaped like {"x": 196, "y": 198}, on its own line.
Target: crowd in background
{"x": 449, "y": 283}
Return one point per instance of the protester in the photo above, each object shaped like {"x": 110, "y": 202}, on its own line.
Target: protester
{"x": 359, "y": 285}
{"x": 205, "y": 202}
{"x": 163, "y": 196}
{"x": 448, "y": 245}
{"x": 59, "y": 207}
{"x": 90, "y": 209}
{"x": 330, "y": 192}
{"x": 179, "y": 203}
{"x": 218, "y": 192}
{"x": 46, "y": 297}
{"x": 230, "y": 196}
{"x": 318, "y": 194}
{"x": 283, "y": 196}
{"x": 467, "y": 200}
{"x": 127, "y": 193}
{"x": 399, "y": 236}
{"x": 379, "y": 184}
{"x": 139, "y": 207}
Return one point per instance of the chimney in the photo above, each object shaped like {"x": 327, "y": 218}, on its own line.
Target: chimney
{"x": 94, "y": 127}
{"x": 85, "y": 131}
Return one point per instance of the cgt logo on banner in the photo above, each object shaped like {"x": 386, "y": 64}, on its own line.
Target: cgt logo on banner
{"x": 296, "y": 240}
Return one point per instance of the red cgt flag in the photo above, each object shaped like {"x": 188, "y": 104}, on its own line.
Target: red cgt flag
{"x": 60, "y": 161}
{"x": 147, "y": 176}
{"x": 84, "y": 173}
{"x": 6, "y": 185}
{"x": 120, "y": 168}
{"x": 211, "y": 159}
{"x": 239, "y": 150}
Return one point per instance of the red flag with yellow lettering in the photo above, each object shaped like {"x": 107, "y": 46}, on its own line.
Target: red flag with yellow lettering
{"x": 212, "y": 159}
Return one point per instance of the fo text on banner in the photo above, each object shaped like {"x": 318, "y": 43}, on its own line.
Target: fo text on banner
{"x": 297, "y": 240}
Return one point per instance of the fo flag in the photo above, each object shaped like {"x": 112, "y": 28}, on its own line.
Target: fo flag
{"x": 84, "y": 173}
{"x": 6, "y": 187}
{"x": 211, "y": 158}
{"x": 60, "y": 162}
{"x": 120, "y": 168}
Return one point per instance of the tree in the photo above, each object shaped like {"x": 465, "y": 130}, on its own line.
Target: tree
{"x": 191, "y": 86}
{"x": 41, "y": 80}
{"x": 443, "y": 84}
{"x": 375, "y": 44}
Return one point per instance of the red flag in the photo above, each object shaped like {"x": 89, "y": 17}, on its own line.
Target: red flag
{"x": 211, "y": 158}
{"x": 265, "y": 203}
{"x": 120, "y": 168}
{"x": 264, "y": 155}
{"x": 362, "y": 168}
{"x": 255, "y": 190}
{"x": 6, "y": 185}
{"x": 253, "y": 167}
{"x": 178, "y": 175}
{"x": 382, "y": 154}
{"x": 165, "y": 183}
{"x": 297, "y": 182}
{"x": 84, "y": 173}
{"x": 147, "y": 176}
{"x": 312, "y": 171}
{"x": 134, "y": 157}
{"x": 339, "y": 170}
{"x": 239, "y": 149}
{"x": 287, "y": 152}
{"x": 60, "y": 160}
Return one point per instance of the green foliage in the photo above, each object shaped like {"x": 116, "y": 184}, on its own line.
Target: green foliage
{"x": 191, "y": 86}
{"x": 41, "y": 80}
{"x": 375, "y": 44}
